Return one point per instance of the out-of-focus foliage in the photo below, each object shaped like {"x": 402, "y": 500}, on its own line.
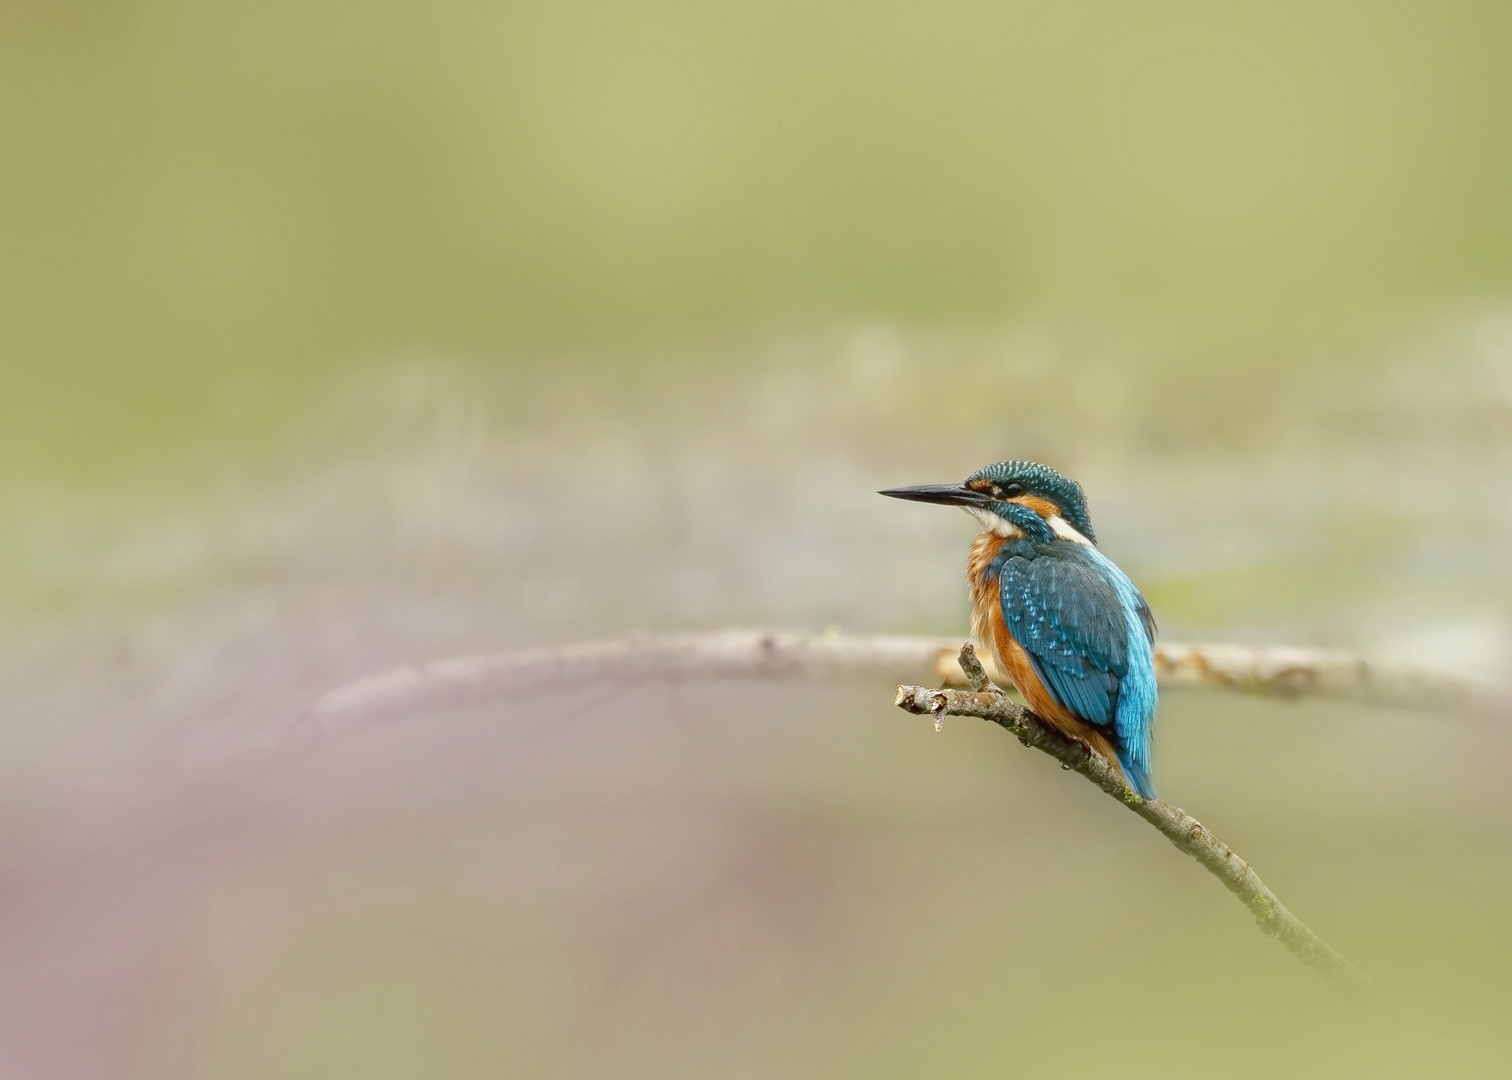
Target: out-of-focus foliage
{"x": 335, "y": 337}
{"x": 205, "y": 206}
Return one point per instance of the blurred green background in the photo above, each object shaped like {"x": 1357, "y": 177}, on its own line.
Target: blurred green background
{"x": 207, "y": 207}
{"x": 340, "y": 336}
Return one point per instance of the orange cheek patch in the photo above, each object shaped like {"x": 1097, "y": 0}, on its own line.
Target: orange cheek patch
{"x": 1043, "y": 507}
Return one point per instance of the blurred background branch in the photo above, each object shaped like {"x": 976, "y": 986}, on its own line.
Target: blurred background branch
{"x": 1280, "y": 671}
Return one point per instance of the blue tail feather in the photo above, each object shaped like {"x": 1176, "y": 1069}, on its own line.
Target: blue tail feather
{"x": 1138, "y": 777}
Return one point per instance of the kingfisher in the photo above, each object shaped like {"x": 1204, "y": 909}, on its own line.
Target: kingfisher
{"x": 1065, "y": 625}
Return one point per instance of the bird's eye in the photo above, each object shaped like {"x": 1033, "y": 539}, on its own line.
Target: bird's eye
{"x": 1012, "y": 491}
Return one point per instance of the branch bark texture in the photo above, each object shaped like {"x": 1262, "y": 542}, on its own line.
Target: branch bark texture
{"x": 1180, "y": 828}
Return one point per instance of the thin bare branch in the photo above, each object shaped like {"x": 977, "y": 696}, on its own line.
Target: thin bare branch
{"x": 1179, "y": 827}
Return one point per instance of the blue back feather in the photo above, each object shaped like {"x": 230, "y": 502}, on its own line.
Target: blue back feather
{"x": 1089, "y": 635}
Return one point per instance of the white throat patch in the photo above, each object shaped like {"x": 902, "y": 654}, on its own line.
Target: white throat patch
{"x": 994, "y": 524}
{"x": 1062, "y": 528}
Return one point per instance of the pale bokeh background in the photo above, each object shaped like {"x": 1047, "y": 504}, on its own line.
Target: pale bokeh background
{"x": 338, "y": 336}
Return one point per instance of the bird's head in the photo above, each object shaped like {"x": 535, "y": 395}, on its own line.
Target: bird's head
{"x": 1014, "y": 498}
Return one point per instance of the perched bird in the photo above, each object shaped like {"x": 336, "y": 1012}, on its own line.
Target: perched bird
{"x": 1063, "y": 623}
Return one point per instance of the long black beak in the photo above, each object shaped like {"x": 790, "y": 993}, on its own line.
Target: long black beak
{"x": 947, "y": 494}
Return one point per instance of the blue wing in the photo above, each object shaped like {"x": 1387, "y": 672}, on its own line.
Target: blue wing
{"x": 1088, "y": 633}
{"x": 1068, "y": 618}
